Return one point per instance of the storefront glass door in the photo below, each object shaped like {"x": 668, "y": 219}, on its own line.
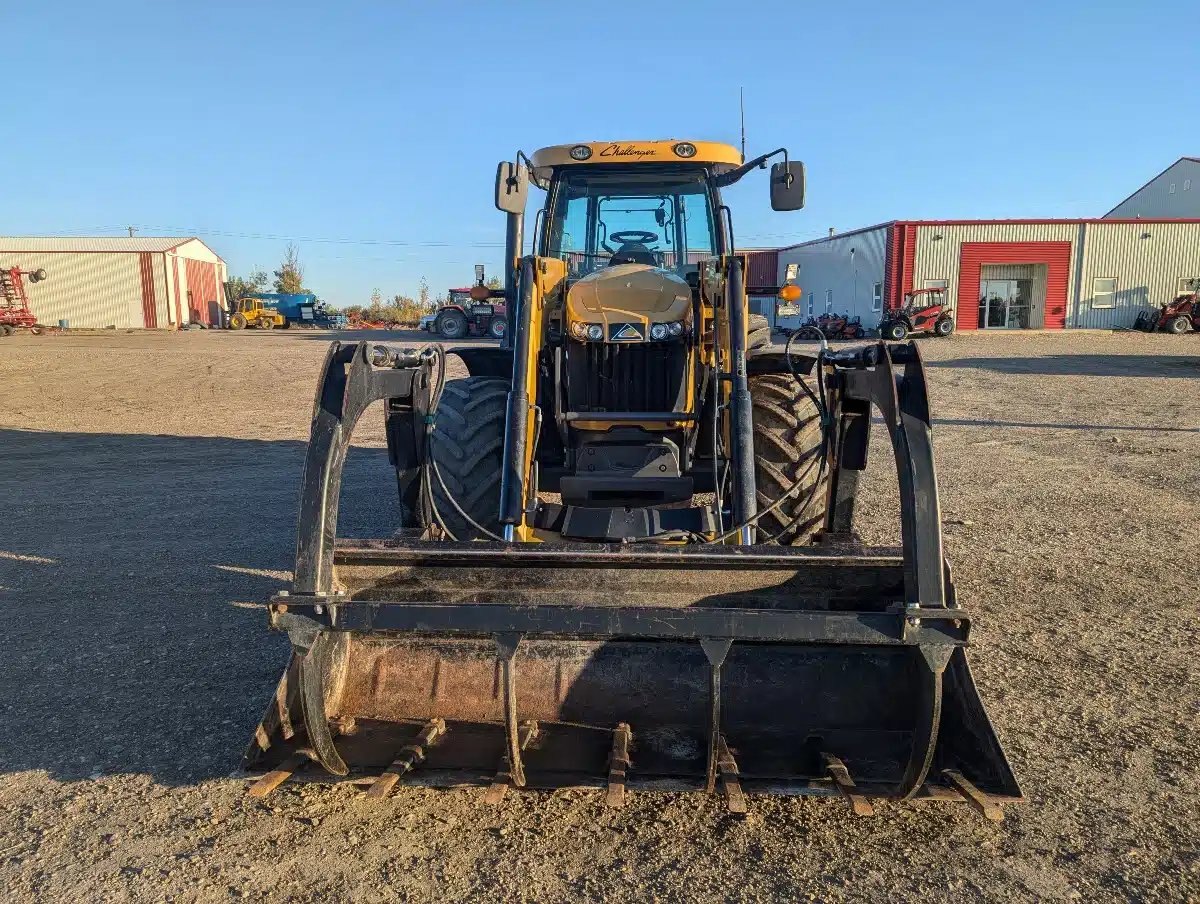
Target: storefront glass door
{"x": 1004, "y": 304}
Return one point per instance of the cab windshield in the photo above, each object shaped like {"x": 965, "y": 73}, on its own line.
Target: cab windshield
{"x": 662, "y": 217}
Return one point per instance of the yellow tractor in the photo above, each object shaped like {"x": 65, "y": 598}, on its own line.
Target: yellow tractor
{"x": 627, "y": 552}
{"x": 251, "y": 312}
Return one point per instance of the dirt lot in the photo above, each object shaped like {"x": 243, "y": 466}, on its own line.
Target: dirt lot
{"x": 149, "y": 491}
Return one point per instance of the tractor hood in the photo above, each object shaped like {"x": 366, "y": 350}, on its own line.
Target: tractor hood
{"x": 629, "y": 292}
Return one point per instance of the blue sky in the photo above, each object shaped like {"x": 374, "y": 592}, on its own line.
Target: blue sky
{"x": 369, "y": 132}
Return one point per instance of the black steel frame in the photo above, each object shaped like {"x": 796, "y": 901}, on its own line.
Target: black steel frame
{"x": 888, "y": 378}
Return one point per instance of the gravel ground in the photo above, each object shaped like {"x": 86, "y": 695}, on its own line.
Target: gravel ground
{"x": 150, "y": 493}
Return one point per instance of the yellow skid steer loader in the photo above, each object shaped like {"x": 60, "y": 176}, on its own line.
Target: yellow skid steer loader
{"x": 627, "y": 555}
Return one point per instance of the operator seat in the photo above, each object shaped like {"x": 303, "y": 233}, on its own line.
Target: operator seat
{"x": 632, "y": 253}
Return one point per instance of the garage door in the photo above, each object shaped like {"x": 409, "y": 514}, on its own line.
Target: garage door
{"x": 202, "y": 300}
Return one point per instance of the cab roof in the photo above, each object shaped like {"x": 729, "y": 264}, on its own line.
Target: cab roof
{"x": 720, "y": 157}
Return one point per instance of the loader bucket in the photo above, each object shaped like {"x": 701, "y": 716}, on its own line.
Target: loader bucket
{"x": 830, "y": 669}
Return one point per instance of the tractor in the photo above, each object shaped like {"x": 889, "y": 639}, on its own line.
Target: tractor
{"x": 472, "y": 311}
{"x": 251, "y": 312}
{"x": 924, "y": 311}
{"x": 1177, "y": 316}
{"x": 625, "y": 553}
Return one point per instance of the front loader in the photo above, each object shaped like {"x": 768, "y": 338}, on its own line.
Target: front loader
{"x": 627, "y": 555}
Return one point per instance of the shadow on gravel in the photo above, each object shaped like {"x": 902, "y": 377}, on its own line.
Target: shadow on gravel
{"x": 132, "y": 569}
{"x": 1085, "y": 365}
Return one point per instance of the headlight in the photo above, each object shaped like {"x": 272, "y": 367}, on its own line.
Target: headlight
{"x": 581, "y": 152}
{"x": 684, "y": 149}
{"x": 661, "y": 331}
{"x": 578, "y": 329}
{"x": 595, "y": 332}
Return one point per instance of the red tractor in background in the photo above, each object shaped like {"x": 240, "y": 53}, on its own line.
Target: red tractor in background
{"x": 924, "y": 311}
{"x": 474, "y": 311}
{"x": 831, "y": 327}
{"x": 14, "y": 303}
{"x": 1176, "y": 317}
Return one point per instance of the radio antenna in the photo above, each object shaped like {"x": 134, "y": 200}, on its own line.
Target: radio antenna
{"x": 742, "y": 114}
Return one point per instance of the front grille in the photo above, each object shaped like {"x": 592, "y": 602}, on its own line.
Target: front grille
{"x": 634, "y": 377}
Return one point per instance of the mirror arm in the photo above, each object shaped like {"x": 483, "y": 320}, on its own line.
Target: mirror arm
{"x": 522, "y": 158}
{"x": 729, "y": 178}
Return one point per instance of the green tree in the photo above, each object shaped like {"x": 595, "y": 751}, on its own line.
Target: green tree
{"x": 289, "y": 278}
{"x": 240, "y": 287}
{"x": 494, "y": 282}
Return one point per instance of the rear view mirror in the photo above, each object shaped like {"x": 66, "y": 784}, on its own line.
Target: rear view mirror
{"x": 787, "y": 186}
{"x": 512, "y": 187}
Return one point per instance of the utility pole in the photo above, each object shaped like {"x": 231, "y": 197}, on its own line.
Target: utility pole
{"x": 132, "y": 230}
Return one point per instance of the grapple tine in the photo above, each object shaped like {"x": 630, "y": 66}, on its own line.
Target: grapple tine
{"x": 504, "y": 779}
{"x": 506, "y": 649}
{"x": 618, "y": 763}
{"x": 715, "y": 650}
{"x": 410, "y": 756}
{"x": 978, "y": 801}
{"x": 735, "y": 798}
{"x": 840, "y": 775}
{"x": 280, "y": 774}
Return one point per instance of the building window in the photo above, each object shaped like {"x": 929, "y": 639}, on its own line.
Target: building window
{"x": 1104, "y": 292}
{"x": 1187, "y": 184}
{"x": 811, "y": 307}
{"x": 1187, "y": 285}
{"x": 943, "y": 284}
{"x": 877, "y": 297}
{"x": 829, "y": 301}
{"x": 1172, "y": 191}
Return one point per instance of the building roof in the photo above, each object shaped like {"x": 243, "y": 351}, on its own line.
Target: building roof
{"x": 92, "y": 243}
{"x": 1099, "y": 221}
{"x": 1155, "y": 179}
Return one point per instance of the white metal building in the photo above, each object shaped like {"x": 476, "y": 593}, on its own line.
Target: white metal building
{"x": 1002, "y": 274}
{"x": 1173, "y": 193}
{"x": 139, "y": 283}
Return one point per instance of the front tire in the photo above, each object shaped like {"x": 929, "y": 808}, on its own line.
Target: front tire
{"x": 266, "y": 323}
{"x": 944, "y": 327}
{"x": 787, "y": 449}
{"x": 237, "y": 321}
{"x": 1178, "y": 326}
{"x": 468, "y": 448}
{"x": 498, "y": 327}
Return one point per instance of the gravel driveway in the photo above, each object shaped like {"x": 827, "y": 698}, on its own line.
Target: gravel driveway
{"x": 149, "y": 496}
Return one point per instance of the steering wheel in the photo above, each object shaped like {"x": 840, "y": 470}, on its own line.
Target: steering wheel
{"x": 639, "y": 236}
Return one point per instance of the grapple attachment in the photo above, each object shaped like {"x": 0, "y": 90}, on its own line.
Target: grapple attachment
{"x": 828, "y": 669}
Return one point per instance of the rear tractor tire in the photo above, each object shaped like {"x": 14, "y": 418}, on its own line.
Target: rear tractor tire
{"x": 237, "y": 321}
{"x": 787, "y": 449}
{"x": 468, "y": 447}
{"x": 1179, "y": 325}
{"x": 759, "y": 332}
{"x": 498, "y": 327}
{"x": 895, "y": 330}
